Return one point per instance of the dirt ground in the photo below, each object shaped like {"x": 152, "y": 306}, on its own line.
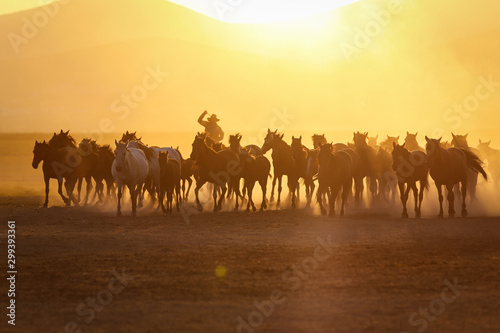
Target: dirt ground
{"x": 277, "y": 271}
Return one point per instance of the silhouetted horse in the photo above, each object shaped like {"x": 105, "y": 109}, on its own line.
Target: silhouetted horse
{"x": 187, "y": 173}
{"x": 55, "y": 165}
{"x": 299, "y": 154}
{"x": 255, "y": 168}
{"x": 235, "y": 145}
{"x": 492, "y": 156}
{"x": 387, "y": 143}
{"x": 411, "y": 142}
{"x": 318, "y": 140}
{"x": 84, "y": 161}
{"x": 282, "y": 161}
{"x": 448, "y": 167}
{"x": 460, "y": 141}
{"x": 335, "y": 174}
{"x": 370, "y": 164}
{"x": 152, "y": 182}
{"x": 411, "y": 167}
{"x": 170, "y": 181}
{"x": 220, "y": 168}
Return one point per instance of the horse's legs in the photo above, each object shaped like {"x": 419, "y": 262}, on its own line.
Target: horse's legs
{"x": 420, "y": 198}
{"x": 190, "y": 182}
{"x": 451, "y": 201}
{"x": 161, "y": 197}
{"x": 402, "y": 191}
{"x": 134, "y": 192}
{"x": 118, "y": 208}
{"x": 440, "y": 195}
{"x": 373, "y": 187}
{"x": 272, "y": 189}
{"x": 333, "y": 198}
{"x": 464, "y": 192}
{"x": 319, "y": 198}
{"x": 263, "y": 186}
{"x": 346, "y": 189}
{"x": 47, "y": 181}
{"x": 88, "y": 180}
{"x": 214, "y": 195}
{"x": 280, "y": 178}
{"x": 67, "y": 201}
{"x": 79, "y": 187}
{"x": 199, "y": 184}
{"x": 415, "y": 194}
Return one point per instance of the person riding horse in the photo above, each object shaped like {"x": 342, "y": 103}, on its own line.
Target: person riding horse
{"x": 213, "y": 130}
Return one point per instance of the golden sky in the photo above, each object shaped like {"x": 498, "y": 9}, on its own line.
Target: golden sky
{"x": 380, "y": 66}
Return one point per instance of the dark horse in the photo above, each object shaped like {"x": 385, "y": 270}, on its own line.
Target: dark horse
{"x": 449, "y": 167}
{"x": 255, "y": 169}
{"x": 55, "y": 165}
{"x": 411, "y": 167}
{"x": 170, "y": 181}
{"x": 334, "y": 173}
{"x": 220, "y": 168}
{"x": 299, "y": 154}
{"x": 282, "y": 161}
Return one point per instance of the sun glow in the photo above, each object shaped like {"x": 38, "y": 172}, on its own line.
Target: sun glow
{"x": 261, "y": 11}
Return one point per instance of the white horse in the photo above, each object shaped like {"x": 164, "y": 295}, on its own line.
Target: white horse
{"x": 129, "y": 168}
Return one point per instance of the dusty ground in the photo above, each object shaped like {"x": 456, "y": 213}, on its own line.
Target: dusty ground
{"x": 380, "y": 271}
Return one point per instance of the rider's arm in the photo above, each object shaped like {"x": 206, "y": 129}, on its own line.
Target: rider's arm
{"x": 200, "y": 119}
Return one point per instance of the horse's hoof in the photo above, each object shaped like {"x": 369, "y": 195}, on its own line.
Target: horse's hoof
{"x": 331, "y": 214}
{"x": 247, "y": 210}
{"x": 200, "y": 208}
{"x": 45, "y": 205}
{"x": 440, "y": 216}
{"x": 271, "y": 199}
{"x": 253, "y": 208}
{"x": 464, "y": 213}
{"x": 404, "y": 215}
{"x": 118, "y": 214}
{"x": 323, "y": 212}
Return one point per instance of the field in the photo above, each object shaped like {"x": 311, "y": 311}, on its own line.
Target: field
{"x": 202, "y": 274}
{"x": 82, "y": 269}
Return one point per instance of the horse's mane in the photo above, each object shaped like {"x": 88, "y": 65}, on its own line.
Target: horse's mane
{"x": 62, "y": 139}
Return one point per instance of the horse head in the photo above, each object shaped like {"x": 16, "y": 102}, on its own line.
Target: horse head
{"x": 359, "y": 139}
{"x": 399, "y": 152}
{"x": 459, "y": 140}
{"x": 120, "y": 152}
{"x": 318, "y": 140}
{"x": 432, "y": 148}
{"x": 39, "y": 153}
{"x": 268, "y": 140}
{"x": 198, "y": 145}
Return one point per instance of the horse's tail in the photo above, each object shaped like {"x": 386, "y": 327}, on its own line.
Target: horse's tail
{"x": 474, "y": 162}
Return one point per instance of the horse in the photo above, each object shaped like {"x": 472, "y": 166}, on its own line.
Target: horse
{"x": 219, "y": 168}
{"x": 55, "y": 165}
{"x": 460, "y": 141}
{"x": 170, "y": 181}
{"x": 388, "y": 143}
{"x": 282, "y": 161}
{"x": 172, "y": 152}
{"x": 411, "y": 167}
{"x": 235, "y": 145}
{"x": 152, "y": 182}
{"x": 130, "y": 168}
{"x": 492, "y": 156}
{"x": 88, "y": 150}
{"x": 373, "y": 141}
{"x": 299, "y": 154}
{"x": 370, "y": 164}
{"x": 318, "y": 140}
{"x": 187, "y": 171}
{"x": 255, "y": 168}
{"x": 448, "y": 167}
{"x": 411, "y": 142}
{"x": 335, "y": 174}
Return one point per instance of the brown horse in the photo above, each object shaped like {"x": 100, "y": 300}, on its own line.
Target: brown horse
{"x": 255, "y": 169}
{"x": 388, "y": 143}
{"x": 369, "y": 163}
{"x": 55, "y": 166}
{"x": 282, "y": 161}
{"x": 170, "y": 181}
{"x": 411, "y": 167}
{"x": 492, "y": 156}
{"x": 411, "y": 142}
{"x": 84, "y": 160}
{"x": 460, "y": 141}
{"x": 235, "y": 145}
{"x": 448, "y": 167}
{"x": 187, "y": 172}
{"x": 335, "y": 174}
{"x": 299, "y": 154}
{"x": 220, "y": 168}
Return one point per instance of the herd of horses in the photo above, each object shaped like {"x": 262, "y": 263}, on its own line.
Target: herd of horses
{"x": 337, "y": 171}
